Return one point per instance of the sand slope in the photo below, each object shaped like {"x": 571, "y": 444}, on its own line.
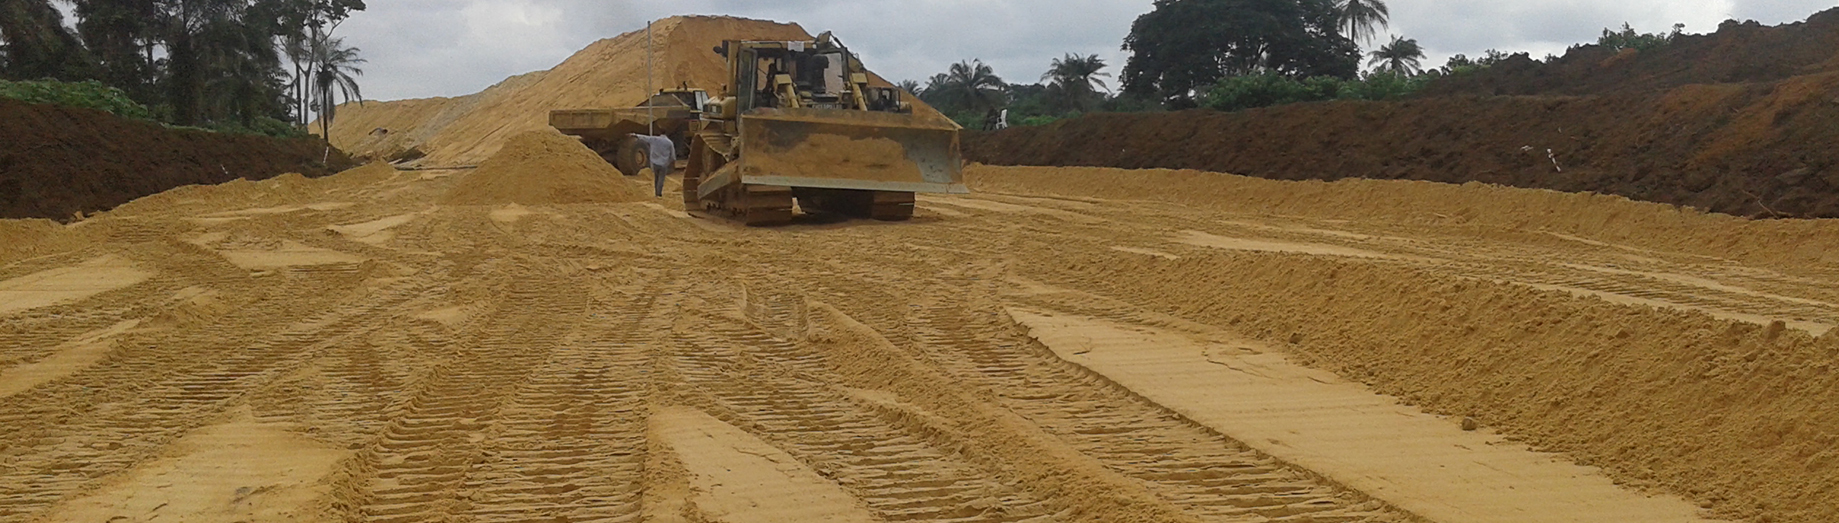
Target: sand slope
{"x": 610, "y": 73}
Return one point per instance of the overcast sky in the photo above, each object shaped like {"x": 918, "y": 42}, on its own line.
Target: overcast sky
{"x": 422, "y": 48}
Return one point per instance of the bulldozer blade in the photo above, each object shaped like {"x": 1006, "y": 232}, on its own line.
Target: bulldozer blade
{"x": 840, "y": 149}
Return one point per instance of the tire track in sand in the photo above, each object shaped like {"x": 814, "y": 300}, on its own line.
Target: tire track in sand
{"x": 766, "y": 386}
{"x": 422, "y": 466}
{"x": 131, "y": 406}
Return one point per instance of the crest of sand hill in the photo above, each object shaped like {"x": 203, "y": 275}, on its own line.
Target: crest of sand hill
{"x": 609, "y": 73}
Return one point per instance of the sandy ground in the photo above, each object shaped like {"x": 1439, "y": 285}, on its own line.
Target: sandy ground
{"x": 352, "y": 349}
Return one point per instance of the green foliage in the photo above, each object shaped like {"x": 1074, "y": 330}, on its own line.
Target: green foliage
{"x": 1185, "y": 46}
{"x": 1628, "y": 38}
{"x": 1074, "y": 84}
{"x": 89, "y": 94}
{"x": 1037, "y": 121}
{"x": 1462, "y": 64}
{"x": 1265, "y": 90}
{"x": 1400, "y": 56}
{"x": 209, "y": 63}
{"x": 261, "y": 126}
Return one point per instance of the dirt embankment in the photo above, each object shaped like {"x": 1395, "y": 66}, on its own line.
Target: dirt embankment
{"x": 1737, "y": 53}
{"x": 58, "y": 161}
{"x": 1765, "y": 148}
{"x": 609, "y": 73}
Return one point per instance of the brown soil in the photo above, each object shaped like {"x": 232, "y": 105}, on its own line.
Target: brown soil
{"x": 1768, "y": 147}
{"x": 1736, "y": 53}
{"x": 58, "y": 161}
{"x": 543, "y": 167}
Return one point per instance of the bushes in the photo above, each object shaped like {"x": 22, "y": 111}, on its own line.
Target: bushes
{"x": 92, "y": 94}
{"x": 88, "y": 95}
{"x": 1264, "y": 90}
{"x": 1627, "y": 38}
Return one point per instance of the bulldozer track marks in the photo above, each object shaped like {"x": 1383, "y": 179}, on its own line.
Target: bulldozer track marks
{"x": 1196, "y": 469}
{"x": 502, "y": 363}
{"x": 132, "y": 404}
{"x": 898, "y": 474}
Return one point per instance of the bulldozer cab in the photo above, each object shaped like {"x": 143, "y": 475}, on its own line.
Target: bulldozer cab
{"x": 819, "y": 74}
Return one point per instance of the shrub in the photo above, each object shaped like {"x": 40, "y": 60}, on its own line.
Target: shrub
{"x": 1627, "y": 38}
{"x": 1265, "y": 90}
{"x": 88, "y": 95}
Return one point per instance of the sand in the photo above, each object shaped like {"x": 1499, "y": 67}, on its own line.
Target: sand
{"x": 510, "y": 355}
{"x": 608, "y": 73}
{"x": 543, "y": 167}
{"x": 539, "y": 339}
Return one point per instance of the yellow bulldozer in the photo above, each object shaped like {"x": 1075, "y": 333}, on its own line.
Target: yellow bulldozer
{"x": 797, "y": 125}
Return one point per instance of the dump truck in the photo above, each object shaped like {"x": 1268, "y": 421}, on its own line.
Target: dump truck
{"x": 798, "y": 123}
{"x": 672, "y": 113}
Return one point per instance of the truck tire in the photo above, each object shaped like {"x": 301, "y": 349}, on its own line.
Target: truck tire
{"x": 630, "y": 157}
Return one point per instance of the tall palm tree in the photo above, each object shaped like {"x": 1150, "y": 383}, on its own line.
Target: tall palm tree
{"x": 334, "y": 70}
{"x": 975, "y": 83}
{"x": 1360, "y": 17}
{"x": 1401, "y": 56}
{"x": 1074, "y": 78}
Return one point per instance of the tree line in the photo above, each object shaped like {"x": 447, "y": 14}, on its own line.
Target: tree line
{"x": 1225, "y": 55}
{"x": 262, "y": 65}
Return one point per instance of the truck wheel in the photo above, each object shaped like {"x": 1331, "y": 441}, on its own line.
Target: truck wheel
{"x": 631, "y": 157}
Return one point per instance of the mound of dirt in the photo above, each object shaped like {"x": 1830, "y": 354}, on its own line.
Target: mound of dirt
{"x": 58, "y": 161}
{"x": 543, "y": 167}
{"x": 1736, "y": 53}
{"x": 1761, "y": 150}
{"x": 609, "y": 73}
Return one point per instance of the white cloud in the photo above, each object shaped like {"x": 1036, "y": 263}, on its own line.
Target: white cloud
{"x": 421, "y": 48}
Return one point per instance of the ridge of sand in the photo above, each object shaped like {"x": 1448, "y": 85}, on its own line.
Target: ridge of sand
{"x": 1413, "y": 460}
{"x": 68, "y": 284}
{"x": 737, "y": 478}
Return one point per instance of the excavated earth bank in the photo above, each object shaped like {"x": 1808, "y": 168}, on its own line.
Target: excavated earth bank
{"x": 1744, "y": 122}
{"x": 58, "y": 161}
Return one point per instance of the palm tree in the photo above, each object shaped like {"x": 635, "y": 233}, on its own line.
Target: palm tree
{"x": 334, "y": 68}
{"x": 910, "y": 86}
{"x": 1074, "y": 78}
{"x": 1401, "y": 56}
{"x": 1360, "y": 17}
{"x": 975, "y": 83}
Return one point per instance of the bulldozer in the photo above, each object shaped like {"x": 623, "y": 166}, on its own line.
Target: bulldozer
{"x": 673, "y": 113}
{"x": 799, "y": 124}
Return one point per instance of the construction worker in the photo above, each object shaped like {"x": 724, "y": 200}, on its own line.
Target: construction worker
{"x": 663, "y": 155}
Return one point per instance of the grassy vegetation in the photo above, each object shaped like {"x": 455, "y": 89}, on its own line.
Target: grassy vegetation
{"x": 1239, "y": 93}
{"x": 88, "y": 95}
{"x": 95, "y": 95}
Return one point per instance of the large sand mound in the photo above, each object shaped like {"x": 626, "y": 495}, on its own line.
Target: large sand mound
{"x": 543, "y": 167}
{"x": 609, "y": 73}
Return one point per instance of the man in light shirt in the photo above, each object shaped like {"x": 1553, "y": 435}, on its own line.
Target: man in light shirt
{"x": 662, "y": 154}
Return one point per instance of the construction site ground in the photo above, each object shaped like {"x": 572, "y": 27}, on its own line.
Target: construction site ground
{"x": 537, "y": 338}
{"x": 1113, "y": 346}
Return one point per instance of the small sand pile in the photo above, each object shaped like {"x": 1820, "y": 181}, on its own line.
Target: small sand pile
{"x": 543, "y": 167}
